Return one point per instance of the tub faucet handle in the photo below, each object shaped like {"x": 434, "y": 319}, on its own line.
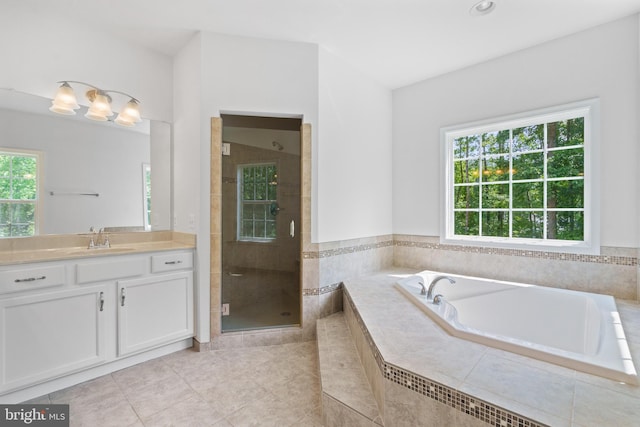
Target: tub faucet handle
{"x": 438, "y": 299}
{"x": 423, "y": 291}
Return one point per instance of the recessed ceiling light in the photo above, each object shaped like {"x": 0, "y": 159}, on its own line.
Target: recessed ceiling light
{"x": 482, "y": 8}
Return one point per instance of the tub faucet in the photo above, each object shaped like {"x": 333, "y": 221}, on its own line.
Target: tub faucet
{"x": 433, "y": 285}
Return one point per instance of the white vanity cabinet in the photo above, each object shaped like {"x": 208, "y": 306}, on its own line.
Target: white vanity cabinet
{"x": 45, "y": 335}
{"x": 159, "y": 308}
{"x": 77, "y": 316}
{"x": 154, "y": 310}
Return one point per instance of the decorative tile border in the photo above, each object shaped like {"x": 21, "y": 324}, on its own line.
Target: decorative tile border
{"x": 346, "y": 250}
{"x": 323, "y": 290}
{"x": 463, "y": 402}
{"x": 557, "y": 256}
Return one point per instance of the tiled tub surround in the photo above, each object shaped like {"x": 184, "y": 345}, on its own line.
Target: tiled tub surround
{"x": 613, "y": 272}
{"x": 420, "y": 375}
{"x": 325, "y": 265}
{"x": 347, "y": 399}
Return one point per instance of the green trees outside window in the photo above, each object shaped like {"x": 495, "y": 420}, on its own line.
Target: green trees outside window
{"x": 524, "y": 182}
{"x": 18, "y": 194}
{"x": 258, "y": 185}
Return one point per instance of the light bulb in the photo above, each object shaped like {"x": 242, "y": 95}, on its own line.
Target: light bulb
{"x": 100, "y": 108}
{"x": 64, "y": 101}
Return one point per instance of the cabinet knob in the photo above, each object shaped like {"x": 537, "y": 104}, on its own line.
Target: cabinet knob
{"x": 101, "y": 301}
{"x": 122, "y": 297}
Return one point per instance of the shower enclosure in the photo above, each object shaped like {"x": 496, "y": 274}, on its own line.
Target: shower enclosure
{"x": 260, "y": 222}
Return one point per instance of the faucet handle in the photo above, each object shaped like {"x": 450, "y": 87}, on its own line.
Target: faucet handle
{"x": 438, "y": 299}
{"x": 423, "y": 291}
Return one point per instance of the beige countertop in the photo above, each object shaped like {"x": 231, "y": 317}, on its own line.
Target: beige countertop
{"x": 65, "y": 247}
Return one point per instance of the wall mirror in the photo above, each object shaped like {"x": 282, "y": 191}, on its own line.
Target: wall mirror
{"x": 88, "y": 173}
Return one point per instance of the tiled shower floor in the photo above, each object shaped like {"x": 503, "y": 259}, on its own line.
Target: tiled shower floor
{"x": 283, "y": 310}
{"x": 259, "y": 386}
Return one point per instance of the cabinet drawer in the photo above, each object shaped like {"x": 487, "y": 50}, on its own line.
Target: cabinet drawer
{"x": 109, "y": 270}
{"x": 171, "y": 261}
{"x": 24, "y": 279}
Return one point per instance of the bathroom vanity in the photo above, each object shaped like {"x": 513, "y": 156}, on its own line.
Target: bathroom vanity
{"x": 86, "y": 312}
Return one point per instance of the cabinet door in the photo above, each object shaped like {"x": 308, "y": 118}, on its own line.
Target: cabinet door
{"x": 153, "y": 311}
{"x": 48, "y": 335}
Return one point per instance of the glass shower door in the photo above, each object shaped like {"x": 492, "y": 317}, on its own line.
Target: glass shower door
{"x": 260, "y": 211}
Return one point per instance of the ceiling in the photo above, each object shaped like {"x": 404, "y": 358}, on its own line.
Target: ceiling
{"x": 397, "y": 42}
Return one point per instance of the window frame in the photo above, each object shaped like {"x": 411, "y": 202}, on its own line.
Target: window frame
{"x": 146, "y": 196}
{"x": 39, "y": 156}
{"x": 590, "y": 110}
{"x": 240, "y": 203}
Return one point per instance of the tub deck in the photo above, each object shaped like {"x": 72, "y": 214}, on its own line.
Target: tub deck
{"x": 411, "y": 345}
{"x": 577, "y": 330}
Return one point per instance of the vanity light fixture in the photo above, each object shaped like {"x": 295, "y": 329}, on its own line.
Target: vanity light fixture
{"x": 483, "y": 7}
{"x": 100, "y": 108}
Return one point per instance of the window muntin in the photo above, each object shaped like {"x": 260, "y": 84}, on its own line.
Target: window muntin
{"x": 521, "y": 181}
{"x": 18, "y": 193}
{"x": 257, "y": 202}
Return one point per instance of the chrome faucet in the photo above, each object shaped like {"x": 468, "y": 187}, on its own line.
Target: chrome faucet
{"x": 432, "y": 287}
{"x": 99, "y": 239}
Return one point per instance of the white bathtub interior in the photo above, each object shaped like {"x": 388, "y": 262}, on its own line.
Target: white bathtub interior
{"x": 577, "y": 330}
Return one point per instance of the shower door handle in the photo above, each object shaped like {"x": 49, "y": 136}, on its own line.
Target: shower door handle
{"x": 292, "y": 229}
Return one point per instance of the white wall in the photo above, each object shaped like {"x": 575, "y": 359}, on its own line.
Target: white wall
{"x": 79, "y": 156}
{"x": 187, "y": 141}
{"x": 38, "y": 51}
{"x": 354, "y": 153}
{"x": 351, "y": 154}
{"x": 161, "y": 177}
{"x": 600, "y": 62}
{"x": 267, "y": 77}
{"x": 213, "y": 74}
{"x": 187, "y": 136}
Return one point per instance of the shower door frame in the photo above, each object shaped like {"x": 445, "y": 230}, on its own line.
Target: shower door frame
{"x": 216, "y": 220}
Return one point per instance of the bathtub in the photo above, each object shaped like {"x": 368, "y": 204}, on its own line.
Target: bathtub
{"x": 577, "y": 330}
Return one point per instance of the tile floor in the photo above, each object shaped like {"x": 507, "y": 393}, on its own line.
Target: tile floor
{"x": 258, "y": 386}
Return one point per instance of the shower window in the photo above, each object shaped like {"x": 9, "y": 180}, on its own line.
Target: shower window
{"x": 522, "y": 181}
{"x": 18, "y": 193}
{"x": 257, "y": 202}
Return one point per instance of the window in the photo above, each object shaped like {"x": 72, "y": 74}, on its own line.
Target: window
{"x": 18, "y": 193}
{"x": 146, "y": 195}
{"x": 523, "y": 180}
{"x": 257, "y": 202}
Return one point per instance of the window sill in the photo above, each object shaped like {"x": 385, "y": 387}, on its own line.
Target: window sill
{"x": 560, "y": 246}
